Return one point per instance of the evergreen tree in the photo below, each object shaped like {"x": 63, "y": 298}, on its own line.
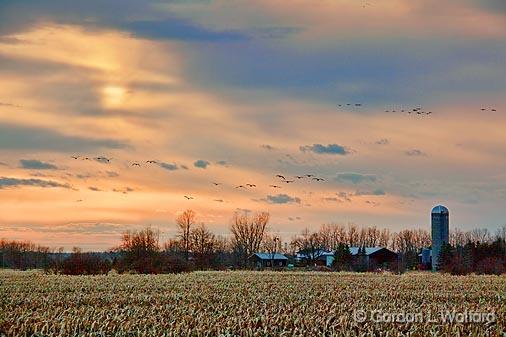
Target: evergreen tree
{"x": 445, "y": 257}
{"x": 342, "y": 257}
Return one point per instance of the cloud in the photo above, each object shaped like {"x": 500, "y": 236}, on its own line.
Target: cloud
{"x": 382, "y": 141}
{"x": 175, "y": 28}
{"x": 344, "y": 196}
{"x": 124, "y": 190}
{"x": 201, "y": 163}
{"x": 168, "y": 166}
{"x": 243, "y": 210}
{"x": 326, "y": 149}
{"x": 111, "y": 174}
{"x": 282, "y": 199}
{"x": 378, "y": 191}
{"x": 415, "y": 153}
{"x": 6, "y": 182}
{"x": 33, "y": 164}
{"x": 9, "y": 104}
{"x": 16, "y": 137}
{"x": 355, "y": 178}
{"x": 222, "y": 163}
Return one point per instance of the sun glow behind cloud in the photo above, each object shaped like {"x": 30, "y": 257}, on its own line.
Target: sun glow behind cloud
{"x": 113, "y": 96}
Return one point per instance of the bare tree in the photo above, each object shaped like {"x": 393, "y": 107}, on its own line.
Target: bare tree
{"x": 140, "y": 250}
{"x": 172, "y": 246}
{"x": 481, "y": 235}
{"x": 272, "y": 245}
{"x": 384, "y": 238}
{"x": 202, "y": 243}
{"x": 457, "y": 237}
{"x": 185, "y": 221}
{"x": 332, "y": 235}
{"x": 248, "y": 233}
{"x": 352, "y": 235}
{"x": 501, "y": 233}
{"x": 369, "y": 237}
{"x": 310, "y": 245}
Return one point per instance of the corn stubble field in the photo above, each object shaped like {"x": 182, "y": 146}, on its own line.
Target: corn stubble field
{"x": 242, "y": 304}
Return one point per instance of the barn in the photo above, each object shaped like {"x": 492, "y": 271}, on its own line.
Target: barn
{"x": 376, "y": 257}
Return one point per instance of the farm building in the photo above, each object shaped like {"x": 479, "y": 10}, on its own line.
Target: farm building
{"x": 319, "y": 257}
{"x": 373, "y": 256}
{"x": 376, "y": 257}
{"x": 262, "y": 260}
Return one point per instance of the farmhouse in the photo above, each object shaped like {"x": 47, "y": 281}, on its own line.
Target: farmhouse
{"x": 262, "y": 260}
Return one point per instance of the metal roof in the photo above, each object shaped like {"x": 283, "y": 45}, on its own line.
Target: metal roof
{"x": 368, "y": 250}
{"x": 269, "y": 256}
{"x": 440, "y": 209}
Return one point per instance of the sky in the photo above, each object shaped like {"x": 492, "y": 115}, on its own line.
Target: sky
{"x": 237, "y": 93}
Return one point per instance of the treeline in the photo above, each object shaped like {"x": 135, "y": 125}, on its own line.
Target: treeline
{"x": 474, "y": 257}
{"x": 195, "y": 247}
{"x": 23, "y": 255}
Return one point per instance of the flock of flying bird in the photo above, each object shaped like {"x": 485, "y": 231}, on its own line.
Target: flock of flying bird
{"x": 282, "y": 178}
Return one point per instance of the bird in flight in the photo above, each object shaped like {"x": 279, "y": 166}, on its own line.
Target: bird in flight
{"x": 79, "y": 200}
{"x": 188, "y": 198}
{"x": 274, "y": 186}
{"x": 288, "y": 181}
{"x": 240, "y": 186}
{"x": 102, "y": 159}
{"x": 75, "y": 157}
{"x": 136, "y": 164}
{"x": 309, "y": 175}
{"x": 216, "y": 184}
{"x": 251, "y": 185}
{"x": 280, "y": 176}
{"x": 318, "y": 179}
{"x": 299, "y": 177}
{"x": 151, "y": 161}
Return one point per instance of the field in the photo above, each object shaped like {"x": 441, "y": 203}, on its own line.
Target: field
{"x": 252, "y": 304}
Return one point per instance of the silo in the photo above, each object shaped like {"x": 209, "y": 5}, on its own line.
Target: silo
{"x": 440, "y": 227}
